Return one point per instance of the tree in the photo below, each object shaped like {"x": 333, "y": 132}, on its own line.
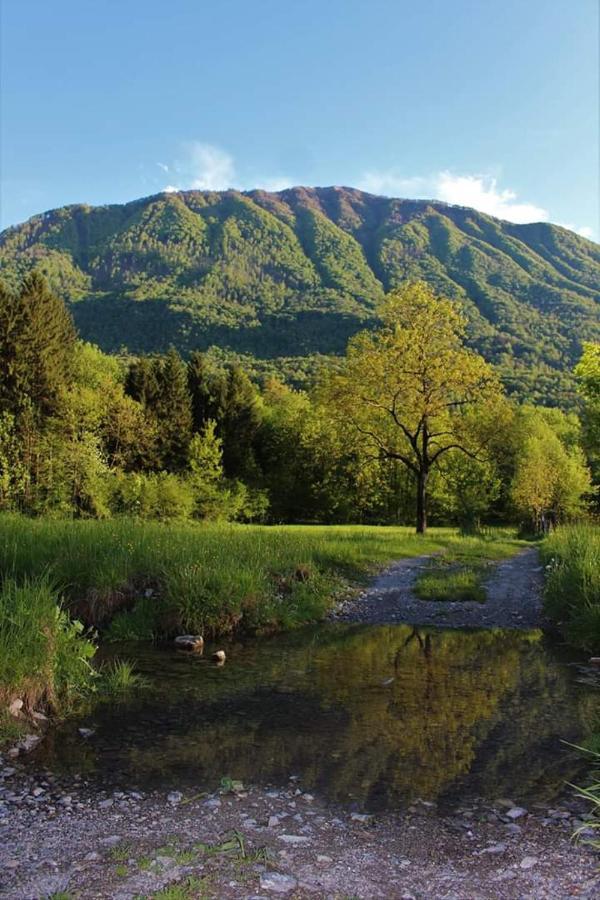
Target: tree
{"x": 550, "y": 478}
{"x": 408, "y": 388}
{"x": 37, "y": 340}
{"x": 239, "y": 426}
{"x": 587, "y": 373}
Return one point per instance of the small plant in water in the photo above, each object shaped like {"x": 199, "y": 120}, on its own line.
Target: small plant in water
{"x": 119, "y": 677}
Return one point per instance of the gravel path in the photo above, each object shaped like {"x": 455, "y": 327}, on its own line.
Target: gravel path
{"x": 513, "y": 598}
{"x": 133, "y": 845}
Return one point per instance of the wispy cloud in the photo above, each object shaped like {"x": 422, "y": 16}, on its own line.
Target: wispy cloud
{"x": 480, "y": 192}
{"x": 206, "y": 167}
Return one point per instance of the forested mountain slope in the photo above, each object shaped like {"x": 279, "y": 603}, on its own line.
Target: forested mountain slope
{"x": 295, "y": 273}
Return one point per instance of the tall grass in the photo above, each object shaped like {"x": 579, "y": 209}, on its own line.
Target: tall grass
{"x": 44, "y": 656}
{"x": 572, "y": 590}
{"x": 207, "y": 578}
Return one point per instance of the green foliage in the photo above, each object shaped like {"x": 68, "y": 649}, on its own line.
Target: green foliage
{"x": 297, "y": 273}
{"x": 44, "y": 655}
{"x": 37, "y": 339}
{"x": 572, "y": 590}
{"x": 410, "y": 391}
{"x": 119, "y": 677}
{"x": 550, "y": 477}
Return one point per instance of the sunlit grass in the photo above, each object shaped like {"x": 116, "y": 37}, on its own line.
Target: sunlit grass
{"x": 214, "y": 578}
{"x": 572, "y": 591}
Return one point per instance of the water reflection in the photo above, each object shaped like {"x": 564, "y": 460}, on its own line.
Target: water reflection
{"x": 374, "y": 715}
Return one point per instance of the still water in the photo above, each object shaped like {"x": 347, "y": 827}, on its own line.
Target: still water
{"x": 372, "y": 716}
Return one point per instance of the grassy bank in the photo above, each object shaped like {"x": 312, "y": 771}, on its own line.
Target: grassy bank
{"x": 44, "y": 655}
{"x": 142, "y": 580}
{"x": 572, "y": 592}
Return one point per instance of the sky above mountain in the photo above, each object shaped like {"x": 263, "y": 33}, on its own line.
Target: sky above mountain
{"x": 492, "y": 105}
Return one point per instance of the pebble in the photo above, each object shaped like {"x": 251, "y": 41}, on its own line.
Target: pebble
{"x": 293, "y": 839}
{"x": 361, "y": 817}
{"x": 273, "y": 821}
{"x": 175, "y": 797}
{"x": 516, "y": 812}
{"x": 105, "y": 804}
{"x": 494, "y": 849}
{"x": 528, "y": 862}
{"x": 278, "y": 883}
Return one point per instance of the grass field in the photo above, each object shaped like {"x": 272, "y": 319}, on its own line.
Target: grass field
{"x": 149, "y": 579}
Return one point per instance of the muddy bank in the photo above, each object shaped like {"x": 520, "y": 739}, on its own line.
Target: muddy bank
{"x": 513, "y": 598}
{"x": 249, "y": 842}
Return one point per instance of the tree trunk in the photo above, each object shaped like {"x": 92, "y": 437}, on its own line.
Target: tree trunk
{"x": 422, "y": 503}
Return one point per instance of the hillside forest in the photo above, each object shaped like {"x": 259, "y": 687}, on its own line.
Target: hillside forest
{"x": 411, "y": 425}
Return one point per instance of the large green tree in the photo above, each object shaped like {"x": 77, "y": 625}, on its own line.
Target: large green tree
{"x": 37, "y": 341}
{"x": 408, "y": 389}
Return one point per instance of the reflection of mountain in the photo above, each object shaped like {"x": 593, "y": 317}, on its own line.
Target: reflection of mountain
{"x": 479, "y": 712}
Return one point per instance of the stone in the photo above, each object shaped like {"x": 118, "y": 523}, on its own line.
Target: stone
{"x": 293, "y": 839}
{"x": 363, "y": 818}
{"x": 86, "y": 732}
{"x": 191, "y": 642}
{"x": 495, "y": 849}
{"x": 273, "y": 821}
{"x": 277, "y": 882}
{"x": 105, "y": 804}
{"x": 92, "y": 857}
{"x": 322, "y": 858}
{"x": 15, "y": 707}
{"x": 219, "y": 656}
{"x": 29, "y": 742}
{"x": 528, "y": 862}
{"x": 516, "y": 812}
{"x": 175, "y": 797}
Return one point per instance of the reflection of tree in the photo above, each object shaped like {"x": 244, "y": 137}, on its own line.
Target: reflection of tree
{"x": 379, "y": 714}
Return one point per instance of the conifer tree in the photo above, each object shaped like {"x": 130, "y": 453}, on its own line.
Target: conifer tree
{"x": 37, "y": 341}
{"x": 240, "y": 424}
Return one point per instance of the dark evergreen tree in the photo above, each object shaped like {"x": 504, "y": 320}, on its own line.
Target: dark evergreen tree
{"x": 239, "y": 426}
{"x": 37, "y": 341}
{"x": 173, "y": 411}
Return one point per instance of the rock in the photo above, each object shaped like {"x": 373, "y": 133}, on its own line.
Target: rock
{"x": 293, "y": 839}
{"x": 321, "y": 858}
{"x": 219, "y": 656}
{"x": 105, "y": 804}
{"x": 92, "y": 857}
{"x": 11, "y": 864}
{"x": 175, "y": 797}
{"x": 15, "y": 707}
{"x": 38, "y": 716}
{"x": 191, "y": 642}
{"x": 278, "y": 883}
{"x": 528, "y": 862}
{"x": 273, "y": 821}
{"x": 362, "y": 818}
{"x": 494, "y": 849}
{"x": 86, "y": 732}
{"x": 29, "y": 742}
{"x": 516, "y": 812}
{"x": 111, "y": 841}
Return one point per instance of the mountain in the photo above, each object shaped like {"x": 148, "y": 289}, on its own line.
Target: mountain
{"x": 295, "y": 273}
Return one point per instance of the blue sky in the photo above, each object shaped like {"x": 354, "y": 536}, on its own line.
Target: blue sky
{"x": 488, "y": 103}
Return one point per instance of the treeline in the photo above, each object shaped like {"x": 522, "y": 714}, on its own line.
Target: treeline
{"x": 90, "y": 435}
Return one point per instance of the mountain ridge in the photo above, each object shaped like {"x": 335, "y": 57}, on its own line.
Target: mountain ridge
{"x": 296, "y": 272}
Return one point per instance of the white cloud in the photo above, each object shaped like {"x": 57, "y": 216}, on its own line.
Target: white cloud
{"x": 206, "y": 167}
{"x": 478, "y": 191}
{"x": 584, "y": 230}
